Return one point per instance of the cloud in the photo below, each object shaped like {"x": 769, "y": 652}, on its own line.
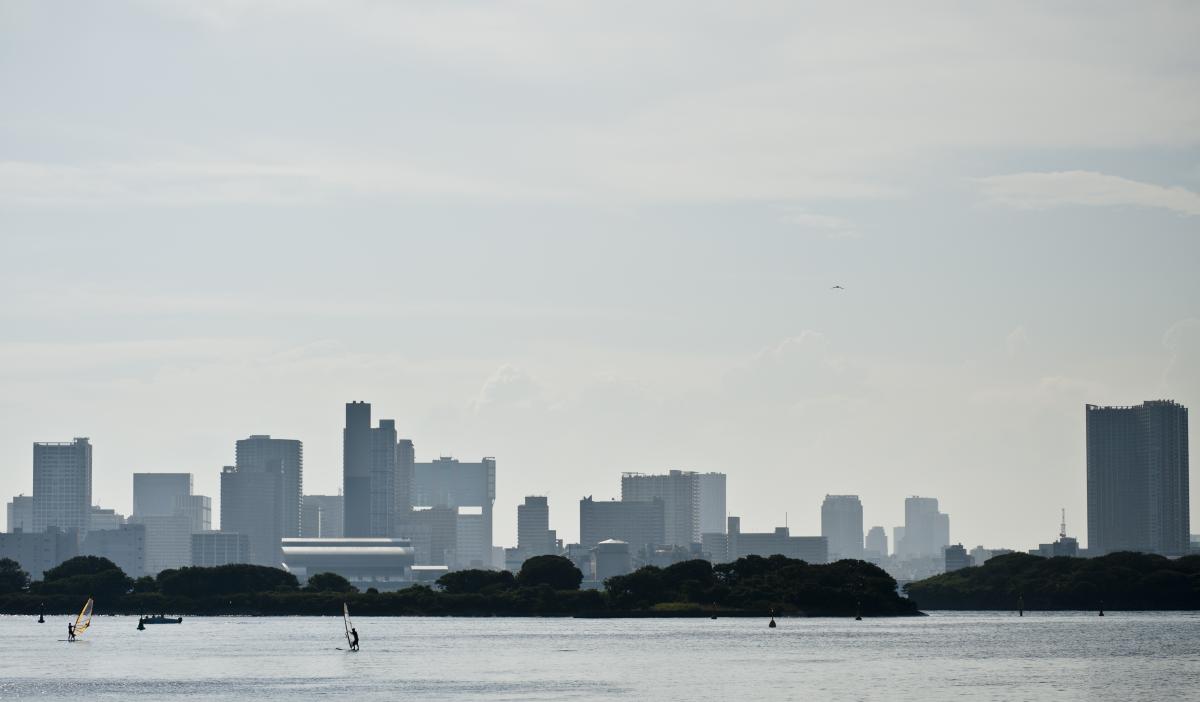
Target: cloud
{"x": 1043, "y": 190}
{"x": 1017, "y": 341}
{"x": 508, "y": 387}
{"x": 1182, "y": 377}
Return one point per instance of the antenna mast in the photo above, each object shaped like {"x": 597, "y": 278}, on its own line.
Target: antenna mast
{"x": 1062, "y": 528}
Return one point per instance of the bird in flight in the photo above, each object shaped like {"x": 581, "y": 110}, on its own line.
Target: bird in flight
{"x": 837, "y": 287}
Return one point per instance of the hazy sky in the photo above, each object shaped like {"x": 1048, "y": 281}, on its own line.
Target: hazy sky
{"x": 592, "y": 238}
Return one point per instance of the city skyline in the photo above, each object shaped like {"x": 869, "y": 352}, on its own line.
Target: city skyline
{"x": 588, "y": 245}
{"x": 680, "y": 492}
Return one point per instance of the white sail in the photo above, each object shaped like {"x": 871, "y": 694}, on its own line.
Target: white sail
{"x": 84, "y": 620}
{"x": 346, "y": 621}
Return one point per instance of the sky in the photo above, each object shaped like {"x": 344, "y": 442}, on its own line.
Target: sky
{"x": 588, "y": 238}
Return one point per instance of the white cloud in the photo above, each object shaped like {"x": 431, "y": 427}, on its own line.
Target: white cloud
{"x": 1043, "y": 190}
{"x": 1017, "y": 341}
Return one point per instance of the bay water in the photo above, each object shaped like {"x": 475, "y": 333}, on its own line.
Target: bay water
{"x": 945, "y": 656}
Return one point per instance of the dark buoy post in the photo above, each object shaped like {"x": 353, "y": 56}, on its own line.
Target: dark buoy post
{"x": 42, "y": 615}
{"x": 858, "y": 611}
{"x": 1102, "y": 608}
{"x": 141, "y": 624}
{"x": 1020, "y": 605}
{"x": 772, "y": 624}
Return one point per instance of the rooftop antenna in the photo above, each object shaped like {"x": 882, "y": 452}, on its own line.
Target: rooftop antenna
{"x": 1062, "y": 528}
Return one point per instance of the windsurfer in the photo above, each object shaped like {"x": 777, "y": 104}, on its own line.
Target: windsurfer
{"x": 354, "y": 639}
{"x": 70, "y": 631}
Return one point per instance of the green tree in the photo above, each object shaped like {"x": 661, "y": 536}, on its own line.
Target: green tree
{"x": 12, "y": 577}
{"x": 85, "y": 576}
{"x": 557, "y": 572}
{"x": 233, "y": 579}
{"x": 462, "y": 582}
{"x": 329, "y": 582}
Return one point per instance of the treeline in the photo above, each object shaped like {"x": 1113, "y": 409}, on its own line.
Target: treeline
{"x": 545, "y": 586}
{"x": 1118, "y": 581}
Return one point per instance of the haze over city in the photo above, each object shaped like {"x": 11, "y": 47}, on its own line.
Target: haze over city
{"x": 587, "y": 240}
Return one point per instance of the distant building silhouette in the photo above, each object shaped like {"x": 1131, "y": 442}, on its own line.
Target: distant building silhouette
{"x": 40, "y": 551}
{"x": 321, "y": 517}
{"x": 842, "y": 526}
{"x": 62, "y": 485}
{"x": 374, "y": 502}
{"x": 124, "y": 545}
{"x": 926, "y": 530}
{"x": 957, "y": 558}
{"x": 680, "y": 494}
{"x": 155, "y": 494}
{"x": 877, "y": 543}
{"x": 639, "y": 524}
{"x": 164, "y": 504}
{"x": 534, "y": 535}
{"x": 1137, "y": 478}
{"x": 260, "y": 452}
{"x": 250, "y": 505}
{"x": 20, "y": 514}
{"x": 812, "y": 549}
{"x": 713, "y": 509}
{"x": 102, "y": 518}
{"x": 217, "y": 548}
{"x": 468, "y": 489}
{"x": 610, "y": 558}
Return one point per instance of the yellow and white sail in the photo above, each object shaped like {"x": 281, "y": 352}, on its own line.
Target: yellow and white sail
{"x": 84, "y": 620}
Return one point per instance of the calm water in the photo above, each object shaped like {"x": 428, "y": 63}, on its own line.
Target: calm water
{"x": 941, "y": 657}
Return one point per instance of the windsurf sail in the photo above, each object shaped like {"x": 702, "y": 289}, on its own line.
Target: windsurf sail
{"x": 84, "y": 620}
{"x": 346, "y": 621}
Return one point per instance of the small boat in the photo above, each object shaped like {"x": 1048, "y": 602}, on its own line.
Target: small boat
{"x": 160, "y": 619}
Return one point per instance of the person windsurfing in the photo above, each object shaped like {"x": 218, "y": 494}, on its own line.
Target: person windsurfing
{"x": 354, "y": 639}
{"x": 70, "y": 631}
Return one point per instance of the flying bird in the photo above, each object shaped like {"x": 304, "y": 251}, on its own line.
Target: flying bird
{"x": 837, "y": 287}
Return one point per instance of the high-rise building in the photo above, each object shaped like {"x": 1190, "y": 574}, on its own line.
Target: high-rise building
{"x": 250, "y": 505}
{"x": 260, "y": 452}
{"x": 124, "y": 545}
{"x": 926, "y": 530}
{"x": 534, "y": 536}
{"x": 680, "y": 494}
{"x": 321, "y": 517}
{"x": 713, "y": 510}
{"x": 406, "y": 460}
{"x": 62, "y": 485}
{"x": 842, "y": 526}
{"x": 876, "y": 543}
{"x": 1137, "y": 478}
{"x": 218, "y": 548}
{"x": 448, "y": 482}
{"x": 102, "y": 518}
{"x": 154, "y": 494}
{"x": 20, "y": 514}
{"x": 40, "y": 551}
{"x": 374, "y": 475}
{"x": 356, "y": 469}
{"x": 639, "y": 524}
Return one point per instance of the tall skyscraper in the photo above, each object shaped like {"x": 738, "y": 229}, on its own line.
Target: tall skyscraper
{"x": 842, "y": 526}
{"x": 876, "y": 543}
{"x": 1137, "y": 478}
{"x": 260, "y": 452}
{"x": 406, "y": 460}
{"x": 680, "y": 495}
{"x": 155, "y": 494}
{"x": 62, "y": 485}
{"x": 713, "y": 510}
{"x": 372, "y": 484}
{"x": 250, "y": 505}
{"x": 926, "y": 530}
{"x": 20, "y": 514}
{"x": 534, "y": 536}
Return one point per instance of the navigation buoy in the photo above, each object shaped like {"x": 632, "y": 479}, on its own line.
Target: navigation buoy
{"x": 858, "y": 611}
{"x": 141, "y": 624}
{"x": 1021, "y": 606}
{"x": 1102, "y": 608}
{"x": 772, "y": 624}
